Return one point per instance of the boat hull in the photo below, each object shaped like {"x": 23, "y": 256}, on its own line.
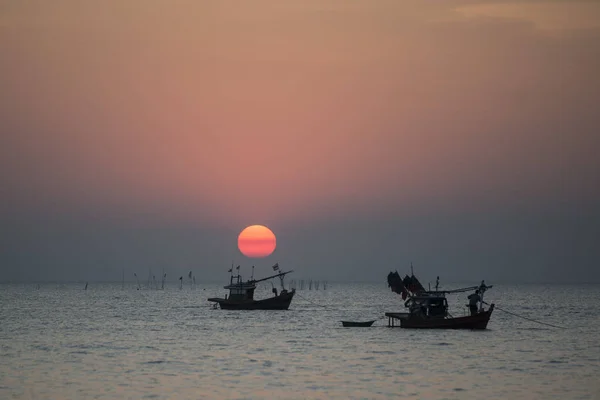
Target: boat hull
{"x": 478, "y": 321}
{"x": 280, "y": 302}
{"x": 357, "y": 324}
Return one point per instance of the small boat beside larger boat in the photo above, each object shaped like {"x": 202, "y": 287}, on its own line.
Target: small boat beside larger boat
{"x": 352, "y": 324}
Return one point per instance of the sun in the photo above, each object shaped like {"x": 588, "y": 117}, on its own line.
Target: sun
{"x": 257, "y": 241}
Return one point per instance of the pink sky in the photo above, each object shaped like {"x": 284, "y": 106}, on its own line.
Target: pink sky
{"x": 259, "y": 110}
{"x": 279, "y": 111}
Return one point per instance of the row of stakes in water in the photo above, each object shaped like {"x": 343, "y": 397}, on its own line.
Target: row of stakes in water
{"x": 153, "y": 283}
{"x": 311, "y": 284}
{"x": 192, "y": 281}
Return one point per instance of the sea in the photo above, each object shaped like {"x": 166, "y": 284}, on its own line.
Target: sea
{"x": 113, "y": 341}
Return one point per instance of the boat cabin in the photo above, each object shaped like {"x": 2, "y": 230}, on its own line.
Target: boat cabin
{"x": 428, "y": 305}
{"x": 241, "y": 291}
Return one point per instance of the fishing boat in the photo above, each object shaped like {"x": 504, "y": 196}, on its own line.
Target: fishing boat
{"x": 428, "y": 309}
{"x": 241, "y": 294}
{"x": 365, "y": 324}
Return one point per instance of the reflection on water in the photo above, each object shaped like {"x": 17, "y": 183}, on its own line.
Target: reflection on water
{"x": 106, "y": 343}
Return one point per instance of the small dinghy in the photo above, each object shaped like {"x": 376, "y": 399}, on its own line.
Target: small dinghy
{"x": 348, "y": 324}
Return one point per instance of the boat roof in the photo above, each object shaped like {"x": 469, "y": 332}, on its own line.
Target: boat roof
{"x": 241, "y": 285}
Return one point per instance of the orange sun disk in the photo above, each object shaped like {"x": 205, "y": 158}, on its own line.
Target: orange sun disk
{"x": 257, "y": 241}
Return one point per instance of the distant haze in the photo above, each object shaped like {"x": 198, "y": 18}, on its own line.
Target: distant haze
{"x": 462, "y": 136}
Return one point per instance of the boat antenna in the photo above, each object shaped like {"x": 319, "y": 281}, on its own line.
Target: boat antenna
{"x": 252, "y": 277}
{"x": 411, "y": 269}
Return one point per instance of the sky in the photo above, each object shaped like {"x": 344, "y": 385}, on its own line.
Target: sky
{"x": 461, "y": 136}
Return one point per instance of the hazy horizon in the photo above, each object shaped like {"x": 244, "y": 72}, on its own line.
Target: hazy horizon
{"x": 460, "y": 136}
{"x": 174, "y": 284}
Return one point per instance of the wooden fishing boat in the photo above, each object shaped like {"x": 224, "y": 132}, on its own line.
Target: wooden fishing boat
{"x": 357, "y": 324}
{"x": 241, "y": 294}
{"x": 429, "y": 309}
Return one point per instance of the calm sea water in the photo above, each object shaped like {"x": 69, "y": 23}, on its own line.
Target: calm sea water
{"x": 61, "y": 342}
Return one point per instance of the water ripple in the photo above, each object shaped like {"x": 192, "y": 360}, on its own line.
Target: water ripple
{"x": 107, "y": 343}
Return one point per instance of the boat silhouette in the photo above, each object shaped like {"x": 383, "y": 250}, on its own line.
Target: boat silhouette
{"x": 241, "y": 294}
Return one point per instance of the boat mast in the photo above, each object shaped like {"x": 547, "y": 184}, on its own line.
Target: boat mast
{"x": 281, "y": 280}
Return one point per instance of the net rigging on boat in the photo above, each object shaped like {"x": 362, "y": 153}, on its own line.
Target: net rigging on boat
{"x": 428, "y": 309}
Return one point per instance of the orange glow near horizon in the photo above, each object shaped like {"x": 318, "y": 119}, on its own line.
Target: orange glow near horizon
{"x": 257, "y": 241}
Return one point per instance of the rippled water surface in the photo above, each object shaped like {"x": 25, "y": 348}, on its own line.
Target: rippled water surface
{"x": 61, "y": 342}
